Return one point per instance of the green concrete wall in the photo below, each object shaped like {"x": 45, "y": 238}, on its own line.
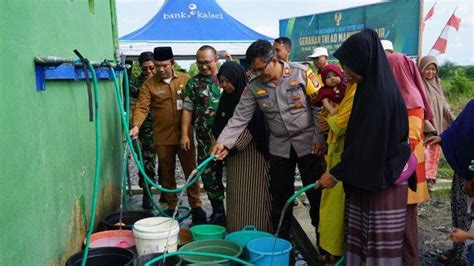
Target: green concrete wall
{"x": 47, "y": 158}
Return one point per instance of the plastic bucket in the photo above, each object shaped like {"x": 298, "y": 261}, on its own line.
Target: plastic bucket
{"x": 112, "y": 221}
{"x": 113, "y": 238}
{"x": 261, "y": 251}
{"x": 107, "y": 256}
{"x": 242, "y": 237}
{"x": 169, "y": 261}
{"x": 156, "y": 234}
{"x": 216, "y": 246}
{"x": 207, "y": 231}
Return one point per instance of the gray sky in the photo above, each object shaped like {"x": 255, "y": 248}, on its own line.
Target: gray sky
{"x": 133, "y": 14}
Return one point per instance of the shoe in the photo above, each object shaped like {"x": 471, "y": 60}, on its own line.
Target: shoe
{"x": 449, "y": 256}
{"x": 162, "y": 198}
{"x": 295, "y": 203}
{"x": 218, "y": 213}
{"x": 199, "y": 216}
{"x": 146, "y": 200}
{"x": 431, "y": 184}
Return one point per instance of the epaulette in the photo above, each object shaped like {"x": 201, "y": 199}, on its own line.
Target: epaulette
{"x": 252, "y": 79}
{"x": 298, "y": 65}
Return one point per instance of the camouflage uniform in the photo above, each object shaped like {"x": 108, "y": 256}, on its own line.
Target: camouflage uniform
{"x": 145, "y": 135}
{"x": 202, "y": 98}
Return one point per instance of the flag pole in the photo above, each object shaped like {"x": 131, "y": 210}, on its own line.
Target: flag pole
{"x": 420, "y": 32}
{"x": 443, "y": 29}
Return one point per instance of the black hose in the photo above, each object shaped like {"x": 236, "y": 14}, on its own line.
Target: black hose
{"x": 85, "y": 61}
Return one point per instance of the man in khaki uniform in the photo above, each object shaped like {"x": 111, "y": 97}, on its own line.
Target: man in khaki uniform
{"x": 164, "y": 94}
{"x": 282, "y": 91}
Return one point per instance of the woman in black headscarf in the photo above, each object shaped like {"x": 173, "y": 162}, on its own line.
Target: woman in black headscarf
{"x": 248, "y": 181}
{"x": 375, "y": 153}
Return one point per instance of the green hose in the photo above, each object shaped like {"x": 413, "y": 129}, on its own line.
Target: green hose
{"x": 301, "y": 191}
{"x": 192, "y": 253}
{"x": 97, "y": 163}
{"x": 125, "y": 126}
{"x": 340, "y": 262}
{"x": 139, "y": 162}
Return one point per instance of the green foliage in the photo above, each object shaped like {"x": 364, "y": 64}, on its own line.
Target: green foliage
{"x": 193, "y": 70}
{"x": 469, "y": 72}
{"x": 460, "y": 85}
{"x": 447, "y": 70}
{"x": 136, "y": 70}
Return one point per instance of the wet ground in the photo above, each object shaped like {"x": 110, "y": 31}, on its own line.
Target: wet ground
{"x": 434, "y": 219}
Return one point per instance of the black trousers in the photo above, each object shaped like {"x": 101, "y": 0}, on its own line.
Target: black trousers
{"x": 282, "y": 179}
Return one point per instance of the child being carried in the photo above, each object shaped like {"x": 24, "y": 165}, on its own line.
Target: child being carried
{"x": 331, "y": 95}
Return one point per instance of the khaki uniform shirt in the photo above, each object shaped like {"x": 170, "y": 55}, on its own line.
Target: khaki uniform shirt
{"x": 287, "y": 108}
{"x": 166, "y": 103}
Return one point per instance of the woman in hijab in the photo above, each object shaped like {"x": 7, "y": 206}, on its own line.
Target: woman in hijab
{"x": 248, "y": 181}
{"x": 457, "y": 142}
{"x": 442, "y": 116}
{"x": 418, "y": 108}
{"x": 375, "y": 152}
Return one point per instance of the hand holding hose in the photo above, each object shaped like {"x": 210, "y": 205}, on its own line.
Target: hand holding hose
{"x": 134, "y": 132}
{"x": 326, "y": 181}
{"x": 220, "y": 151}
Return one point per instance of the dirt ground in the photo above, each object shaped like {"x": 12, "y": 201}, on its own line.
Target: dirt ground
{"x": 434, "y": 225}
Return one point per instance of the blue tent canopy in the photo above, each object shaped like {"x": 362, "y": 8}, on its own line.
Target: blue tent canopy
{"x": 193, "y": 20}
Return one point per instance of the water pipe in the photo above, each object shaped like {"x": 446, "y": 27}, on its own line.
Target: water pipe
{"x": 57, "y": 60}
{"x": 192, "y": 253}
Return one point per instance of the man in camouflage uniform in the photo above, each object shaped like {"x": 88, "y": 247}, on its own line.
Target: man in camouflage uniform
{"x": 201, "y": 100}
{"x": 146, "y": 132}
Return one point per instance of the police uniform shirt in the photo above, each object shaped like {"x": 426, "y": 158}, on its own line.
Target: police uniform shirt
{"x": 289, "y": 114}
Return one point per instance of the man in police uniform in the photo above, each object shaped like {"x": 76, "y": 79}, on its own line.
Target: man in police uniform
{"x": 164, "y": 94}
{"x": 283, "y": 48}
{"x": 281, "y": 91}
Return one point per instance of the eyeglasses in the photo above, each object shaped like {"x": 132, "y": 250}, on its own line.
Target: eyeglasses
{"x": 259, "y": 71}
{"x": 145, "y": 68}
{"x": 205, "y": 63}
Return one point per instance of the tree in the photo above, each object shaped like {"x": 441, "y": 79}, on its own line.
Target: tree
{"x": 447, "y": 70}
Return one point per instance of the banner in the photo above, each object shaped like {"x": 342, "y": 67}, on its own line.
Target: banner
{"x": 397, "y": 21}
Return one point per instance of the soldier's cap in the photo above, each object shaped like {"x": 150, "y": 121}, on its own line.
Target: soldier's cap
{"x": 387, "y": 45}
{"x": 162, "y": 53}
{"x": 320, "y": 51}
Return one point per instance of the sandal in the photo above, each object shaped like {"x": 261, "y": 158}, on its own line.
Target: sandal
{"x": 448, "y": 256}
{"x": 329, "y": 259}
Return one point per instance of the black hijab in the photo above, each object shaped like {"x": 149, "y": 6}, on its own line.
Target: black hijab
{"x": 376, "y": 142}
{"x": 228, "y": 101}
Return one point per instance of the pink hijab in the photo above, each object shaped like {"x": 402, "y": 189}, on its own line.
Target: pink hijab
{"x": 410, "y": 83}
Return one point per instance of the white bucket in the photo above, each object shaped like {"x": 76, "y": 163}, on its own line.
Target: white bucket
{"x": 156, "y": 234}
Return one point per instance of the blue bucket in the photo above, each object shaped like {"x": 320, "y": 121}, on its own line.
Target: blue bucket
{"x": 242, "y": 237}
{"x": 261, "y": 251}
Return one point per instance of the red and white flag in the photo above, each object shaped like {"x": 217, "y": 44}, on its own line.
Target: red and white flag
{"x": 428, "y": 16}
{"x": 440, "y": 45}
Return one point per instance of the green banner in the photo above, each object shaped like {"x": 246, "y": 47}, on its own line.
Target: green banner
{"x": 397, "y": 21}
